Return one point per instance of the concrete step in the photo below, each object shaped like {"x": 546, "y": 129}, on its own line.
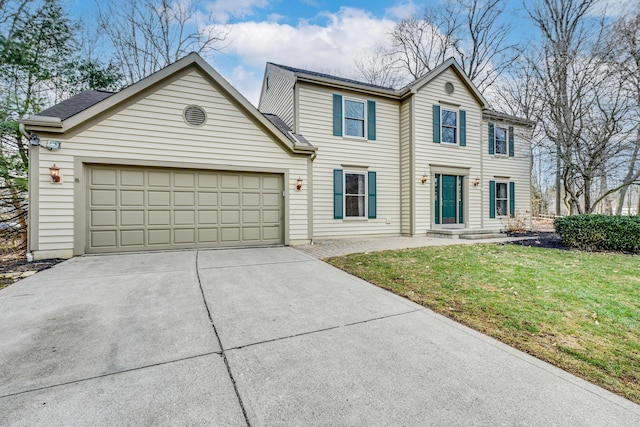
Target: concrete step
{"x": 465, "y": 234}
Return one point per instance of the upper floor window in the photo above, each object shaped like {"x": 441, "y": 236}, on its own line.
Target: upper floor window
{"x": 500, "y": 140}
{"x": 354, "y": 118}
{"x": 449, "y": 126}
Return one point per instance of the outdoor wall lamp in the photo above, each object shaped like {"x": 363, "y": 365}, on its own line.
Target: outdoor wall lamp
{"x": 54, "y": 171}
{"x": 424, "y": 178}
{"x": 476, "y": 181}
{"x": 299, "y": 184}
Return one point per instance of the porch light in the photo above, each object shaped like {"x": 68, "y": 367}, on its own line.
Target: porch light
{"x": 54, "y": 171}
{"x": 299, "y": 184}
{"x": 476, "y": 181}
{"x": 424, "y": 178}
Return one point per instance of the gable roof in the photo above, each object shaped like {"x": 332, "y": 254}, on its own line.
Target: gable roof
{"x": 81, "y": 108}
{"x": 408, "y": 90}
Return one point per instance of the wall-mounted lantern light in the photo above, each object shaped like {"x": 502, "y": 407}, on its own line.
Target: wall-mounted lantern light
{"x": 54, "y": 171}
{"x": 299, "y": 184}
{"x": 424, "y": 178}
{"x": 476, "y": 181}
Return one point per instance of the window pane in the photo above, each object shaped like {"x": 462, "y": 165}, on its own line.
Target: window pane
{"x": 354, "y": 127}
{"x": 449, "y": 118}
{"x": 354, "y": 109}
{"x": 501, "y": 141}
{"x": 354, "y": 206}
{"x": 354, "y": 183}
{"x": 449, "y": 135}
{"x": 501, "y": 190}
{"x": 501, "y": 207}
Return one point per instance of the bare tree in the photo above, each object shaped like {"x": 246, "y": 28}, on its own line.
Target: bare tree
{"x": 379, "y": 68}
{"x": 468, "y": 30}
{"x": 147, "y": 35}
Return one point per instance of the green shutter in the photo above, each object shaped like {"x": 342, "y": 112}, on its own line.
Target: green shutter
{"x": 338, "y": 194}
{"x": 436, "y": 123}
{"x": 337, "y": 115}
{"x": 463, "y": 128}
{"x": 372, "y": 194}
{"x": 492, "y": 199}
{"x": 460, "y": 199}
{"x": 371, "y": 120}
{"x": 512, "y": 198}
{"x": 511, "y": 143}
{"x": 491, "y": 138}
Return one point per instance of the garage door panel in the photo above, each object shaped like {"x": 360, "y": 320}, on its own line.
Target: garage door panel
{"x": 159, "y": 198}
{"x": 159, "y": 237}
{"x": 131, "y": 218}
{"x": 132, "y": 178}
{"x": 104, "y": 218}
{"x": 134, "y": 208}
{"x": 103, "y": 197}
{"x": 184, "y": 218}
{"x": 131, "y": 198}
{"x": 159, "y": 218}
{"x": 103, "y": 177}
{"x": 132, "y": 238}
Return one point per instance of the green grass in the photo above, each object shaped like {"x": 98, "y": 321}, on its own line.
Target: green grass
{"x": 577, "y": 310}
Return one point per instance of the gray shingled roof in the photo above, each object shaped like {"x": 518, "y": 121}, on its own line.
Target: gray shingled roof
{"x": 329, "y": 76}
{"x": 499, "y": 115}
{"x": 76, "y": 104}
{"x": 286, "y": 130}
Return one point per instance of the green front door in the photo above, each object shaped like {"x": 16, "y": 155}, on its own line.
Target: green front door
{"x": 449, "y": 199}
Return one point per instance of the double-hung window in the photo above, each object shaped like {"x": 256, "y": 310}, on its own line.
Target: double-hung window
{"x": 354, "y": 118}
{"x": 502, "y": 198}
{"x": 449, "y": 126}
{"x": 354, "y": 194}
{"x": 500, "y": 140}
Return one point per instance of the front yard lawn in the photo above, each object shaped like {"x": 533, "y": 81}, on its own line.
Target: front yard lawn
{"x": 577, "y": 310}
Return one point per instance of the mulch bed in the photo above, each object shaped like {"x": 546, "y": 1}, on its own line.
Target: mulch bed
{"x": 547, "y": 240}
{"x": 14, "y": 263}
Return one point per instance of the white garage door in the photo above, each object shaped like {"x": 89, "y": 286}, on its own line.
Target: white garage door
{"x": 132, "y": 209}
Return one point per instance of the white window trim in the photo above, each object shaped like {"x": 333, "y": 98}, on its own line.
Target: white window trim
{"x": 506, "y": 141}
{"x": 344, "y": 118}
{"x": 366, "y": 195}
{"x": 507, "y": 198}
{"x": 453, "y": 110}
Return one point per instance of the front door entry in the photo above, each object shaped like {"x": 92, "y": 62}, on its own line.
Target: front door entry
{"x": 448, "y": 200}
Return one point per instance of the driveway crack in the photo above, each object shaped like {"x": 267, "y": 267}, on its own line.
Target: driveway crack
{"x": 222, "y": 351}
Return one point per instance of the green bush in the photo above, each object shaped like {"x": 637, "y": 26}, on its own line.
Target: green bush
{"x": 600, "y": 232}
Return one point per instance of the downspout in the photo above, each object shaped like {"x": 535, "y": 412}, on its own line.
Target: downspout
{"x": 23, "y": 131}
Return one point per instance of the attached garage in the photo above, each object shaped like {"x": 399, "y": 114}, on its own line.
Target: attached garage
{"x": 132, "y": 209}
{"x": 179, "y": 160}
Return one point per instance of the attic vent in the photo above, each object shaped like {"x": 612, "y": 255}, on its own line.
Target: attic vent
{"x": 194, "y": 115}
{"x": 448, "y": 87}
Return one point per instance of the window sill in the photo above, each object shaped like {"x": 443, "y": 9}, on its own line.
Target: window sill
{"x": 356, "y": 218}
{"x": 355, "y": 138}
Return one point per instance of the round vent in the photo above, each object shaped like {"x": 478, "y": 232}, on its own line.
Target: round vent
{"x": 448, "y": 87}
{"x": 194, "y": 115}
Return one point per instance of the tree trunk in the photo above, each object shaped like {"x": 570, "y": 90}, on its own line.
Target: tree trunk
{"x": 558, "y": 182}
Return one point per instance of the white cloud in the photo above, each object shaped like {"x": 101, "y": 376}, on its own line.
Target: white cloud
{"x": 225, "y": 10}
{"x": 330, "y": 47}
{"x": 402, "y": 10}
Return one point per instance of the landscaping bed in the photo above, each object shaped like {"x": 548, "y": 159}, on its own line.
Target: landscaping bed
{"x": 14, "y": 266}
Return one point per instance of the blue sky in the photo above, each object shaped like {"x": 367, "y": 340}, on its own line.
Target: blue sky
{"x": 321, "y": 35}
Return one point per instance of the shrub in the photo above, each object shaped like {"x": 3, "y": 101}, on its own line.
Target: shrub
{"x": 600, "y": 232}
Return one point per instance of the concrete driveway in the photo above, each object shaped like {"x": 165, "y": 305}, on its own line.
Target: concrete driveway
{"x": 262, "y": 337}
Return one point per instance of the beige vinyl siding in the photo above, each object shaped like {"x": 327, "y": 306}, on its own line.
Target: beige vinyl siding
{"x": 405, "y": 166}
{"x": 381, "y": 156}
{"x": 278, "y": 97}
{"x": 152, "y": 131}
{"x": 429, "y": 153}
{"x": 517, "y": 169}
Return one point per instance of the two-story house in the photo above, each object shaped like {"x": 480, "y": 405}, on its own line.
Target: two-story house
{"x": 181, "y": 159}
{"x": 429, "y": 158}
